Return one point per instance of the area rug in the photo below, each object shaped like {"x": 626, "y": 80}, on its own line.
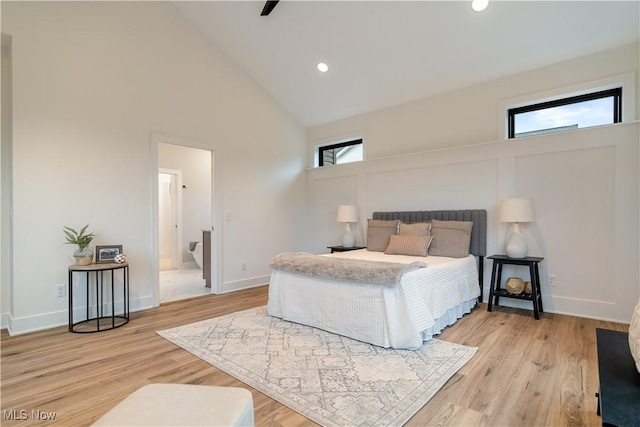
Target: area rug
{"x": 328, "y": 378}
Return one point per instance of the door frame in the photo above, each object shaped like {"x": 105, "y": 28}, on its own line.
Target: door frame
{"x": 177, "y": 247}
{"x": 216, "y": 209}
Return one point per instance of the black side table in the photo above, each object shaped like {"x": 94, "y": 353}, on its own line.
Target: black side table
{"x": 343, "y": 249}
{"x": 495, "y": 291}
{"x": 103, "y": 321}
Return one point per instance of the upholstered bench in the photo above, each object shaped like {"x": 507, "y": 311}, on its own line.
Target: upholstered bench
{"x": 182, "y": 405}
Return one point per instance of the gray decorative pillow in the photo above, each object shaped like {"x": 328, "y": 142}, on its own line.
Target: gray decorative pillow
{"x": 415, "y": 229}
{"x": 450, "y": 238}
{"x": 378, "y": 233}
{"x": 409, "y": 245}
{"x": 634, "y": 335}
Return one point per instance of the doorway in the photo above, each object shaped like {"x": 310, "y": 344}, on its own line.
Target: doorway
{"x": 184, "y": 183}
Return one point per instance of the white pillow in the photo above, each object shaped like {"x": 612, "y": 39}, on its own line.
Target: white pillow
{"x": 634, "y": 335}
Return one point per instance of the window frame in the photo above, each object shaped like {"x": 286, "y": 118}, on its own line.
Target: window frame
{"x": 615, "y": 92}
{"x": 323, "y": 148}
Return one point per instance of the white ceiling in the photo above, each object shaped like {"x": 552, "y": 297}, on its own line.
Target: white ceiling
{"x": 383, "y": 53}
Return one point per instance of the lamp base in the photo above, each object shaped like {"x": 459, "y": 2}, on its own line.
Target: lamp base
{"x": 516, "y": 246}
{"x": 348, "y": 241}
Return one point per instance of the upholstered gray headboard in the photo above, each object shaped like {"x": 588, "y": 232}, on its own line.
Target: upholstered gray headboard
{"x": 478, "y": 244}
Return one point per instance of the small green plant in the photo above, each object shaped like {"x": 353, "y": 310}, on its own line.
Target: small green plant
{"x": 78, "y": 237}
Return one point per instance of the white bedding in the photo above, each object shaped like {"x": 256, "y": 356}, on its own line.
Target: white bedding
{"x": 426, "y": 301}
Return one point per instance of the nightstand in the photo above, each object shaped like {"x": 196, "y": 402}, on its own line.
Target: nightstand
{"x": 102, "y": 320}
{"x": 343, "y": 249}
{"x": 495, "y": 291}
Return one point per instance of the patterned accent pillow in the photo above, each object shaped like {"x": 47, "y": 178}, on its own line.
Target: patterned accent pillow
{"x": 415, "y": 229}
{"x": 634, "y": 335}
{"x": 409, "y": 245}
{"x": 378, "y": 233}
{"x": 450, "y": 238}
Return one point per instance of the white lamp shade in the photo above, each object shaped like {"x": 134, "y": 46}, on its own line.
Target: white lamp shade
{"x": 517, "y": 210}
{"x": 347, "y": 213}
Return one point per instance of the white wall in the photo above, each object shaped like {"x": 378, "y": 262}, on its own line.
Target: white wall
{"x": 5, "y": 180}
{"x": 91, "y": 81}
{"x": 196, "y": 168}
{"x": 470, "y": 115}
{"x": 585, "y": 189}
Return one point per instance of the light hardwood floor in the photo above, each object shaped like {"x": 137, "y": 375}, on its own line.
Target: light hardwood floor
{"x": 526, "y": 372}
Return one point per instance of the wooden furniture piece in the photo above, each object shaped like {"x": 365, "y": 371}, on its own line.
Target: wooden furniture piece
{"x": 343, "y": 249}
{"x": 619, "y": 392}
{"x": 496, "y": 291}
{"x": 103, "y": 320}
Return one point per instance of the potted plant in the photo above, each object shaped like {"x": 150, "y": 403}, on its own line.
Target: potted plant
{"x": 84, "y": 254}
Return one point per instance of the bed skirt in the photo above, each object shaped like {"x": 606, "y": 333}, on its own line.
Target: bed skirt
{"x": 449, "y": 318}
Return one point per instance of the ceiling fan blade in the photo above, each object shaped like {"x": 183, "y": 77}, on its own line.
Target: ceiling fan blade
{"x": 268, "y": 7}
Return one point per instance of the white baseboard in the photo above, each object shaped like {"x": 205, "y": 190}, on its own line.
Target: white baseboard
{"x": 558, "y": 305}
{"x": 24, "y": 325}
{"x": 252, "y": 282}
{"x": 5, "y": 320}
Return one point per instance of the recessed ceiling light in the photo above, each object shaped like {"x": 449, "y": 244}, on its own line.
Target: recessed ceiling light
{"x": 479, "y": 5}
{"x": 322, "y": 67}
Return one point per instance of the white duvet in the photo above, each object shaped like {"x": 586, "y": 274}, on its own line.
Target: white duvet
{"x": 426, "y": 301}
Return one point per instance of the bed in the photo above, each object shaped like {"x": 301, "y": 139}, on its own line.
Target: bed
{"x": 424, "y": 302}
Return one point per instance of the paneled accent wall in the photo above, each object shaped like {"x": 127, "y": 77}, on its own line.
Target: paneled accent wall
{"x": 586, "y": 194}
{"x": 578, "y": 219}
{"x": 329, "y": 193}
{"x": 405, "y": 189}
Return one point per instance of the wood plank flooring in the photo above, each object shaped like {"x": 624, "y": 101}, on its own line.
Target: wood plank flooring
{"x": 526, "y": 372}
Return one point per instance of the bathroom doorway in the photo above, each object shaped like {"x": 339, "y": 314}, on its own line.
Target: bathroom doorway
{"x": 185, "y": 209}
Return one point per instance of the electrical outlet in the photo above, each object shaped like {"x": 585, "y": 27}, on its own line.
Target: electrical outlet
{"x": 61, "y": 290}
{"x": 243, "y": 266}
{"x": 551, "y": 280}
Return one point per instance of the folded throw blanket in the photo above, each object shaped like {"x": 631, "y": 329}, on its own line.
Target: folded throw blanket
{"x": 350, "y": 270}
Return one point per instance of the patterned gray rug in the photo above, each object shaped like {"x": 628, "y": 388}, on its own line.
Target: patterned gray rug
{"x": 330, "y": 379}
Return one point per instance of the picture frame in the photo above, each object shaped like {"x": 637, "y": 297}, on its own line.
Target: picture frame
{"x": 106, "y": 253}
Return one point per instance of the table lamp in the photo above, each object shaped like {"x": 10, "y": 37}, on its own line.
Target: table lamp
{"x": 348, "y": 214}
{"x": 516, "y": 211}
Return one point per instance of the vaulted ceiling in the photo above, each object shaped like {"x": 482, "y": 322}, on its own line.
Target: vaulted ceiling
{"x": 383, "y": 53}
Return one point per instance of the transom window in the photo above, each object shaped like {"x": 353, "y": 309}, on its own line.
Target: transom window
{"x": 592, "y": 109}
{"x": 343, "y": 152}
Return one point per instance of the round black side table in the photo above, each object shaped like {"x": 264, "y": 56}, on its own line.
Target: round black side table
{"x": 105, "y": 317}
